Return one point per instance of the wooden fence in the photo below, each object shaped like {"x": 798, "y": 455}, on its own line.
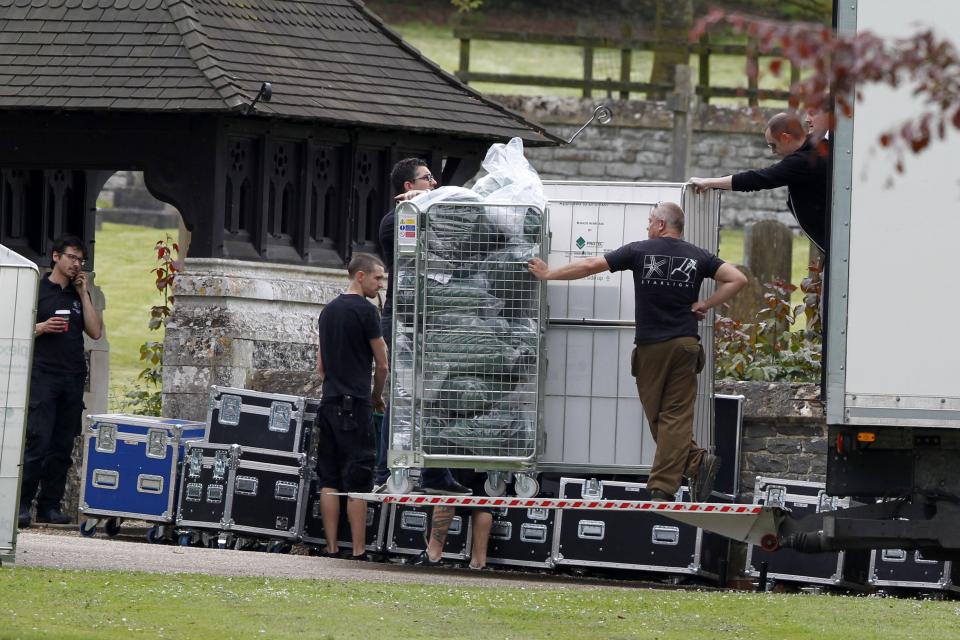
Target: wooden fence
{"x": 704, "y": 49}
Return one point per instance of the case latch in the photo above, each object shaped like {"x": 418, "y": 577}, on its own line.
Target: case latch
{"x": 107, "y": 438}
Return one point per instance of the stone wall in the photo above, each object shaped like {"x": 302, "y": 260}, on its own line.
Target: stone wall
{"x": 637, "y": 146}
{"x": 784, "y": 432}
{"x": 240, "y": 324}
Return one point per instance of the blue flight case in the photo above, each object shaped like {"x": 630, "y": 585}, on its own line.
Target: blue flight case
{"x": 130, "y": 466}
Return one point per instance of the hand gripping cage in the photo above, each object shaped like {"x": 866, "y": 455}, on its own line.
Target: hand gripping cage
{"x": 468, "y": 332}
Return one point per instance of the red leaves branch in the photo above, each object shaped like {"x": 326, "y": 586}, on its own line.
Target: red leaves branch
{"x": 841, "y": 63}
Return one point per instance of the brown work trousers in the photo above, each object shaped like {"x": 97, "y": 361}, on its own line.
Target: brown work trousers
{"x": 666, "y": 374}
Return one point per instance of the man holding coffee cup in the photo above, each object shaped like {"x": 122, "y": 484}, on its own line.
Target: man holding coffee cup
{"x": 64, "y": 313}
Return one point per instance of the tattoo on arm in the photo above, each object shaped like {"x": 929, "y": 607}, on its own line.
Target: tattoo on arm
{"x": 442, "y": 518}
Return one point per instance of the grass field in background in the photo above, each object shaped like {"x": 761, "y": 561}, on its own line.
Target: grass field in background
{"x": 106, "y": 605}
{"x": 124, "y": 261}
{"x": 438, "y": 44}
{"x": 731, "y": 250}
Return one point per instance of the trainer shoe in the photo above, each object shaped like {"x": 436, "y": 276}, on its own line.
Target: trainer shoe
{"x": 701, "y": 485}
{"x": 452, "y": 488}
{"x": 53, "y": 516}
{"x": 23, "y": 518}
{"x": 423, "y": 560}
{"x": 656, "y": 495}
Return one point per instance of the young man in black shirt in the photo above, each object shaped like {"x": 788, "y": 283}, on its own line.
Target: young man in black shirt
{"x": 667, "y": 273}
{"x": 803, "y": 170}
{"x": 64, "y": 313}
{"x": 350, "y": 343}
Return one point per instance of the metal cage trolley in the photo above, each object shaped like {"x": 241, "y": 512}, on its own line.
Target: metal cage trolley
{"x": 468, "y": 334}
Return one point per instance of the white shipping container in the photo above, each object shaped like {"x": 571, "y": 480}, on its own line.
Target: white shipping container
{"x": 592, "y": 417}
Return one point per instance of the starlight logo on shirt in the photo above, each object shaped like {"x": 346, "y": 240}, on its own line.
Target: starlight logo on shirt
{"x": 673, "y": 271}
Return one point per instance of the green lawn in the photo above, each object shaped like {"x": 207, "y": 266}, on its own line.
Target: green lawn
{"x": 438, "y": 44}
{"x": 104, "y": 605}
{"x": 124, "y": 261}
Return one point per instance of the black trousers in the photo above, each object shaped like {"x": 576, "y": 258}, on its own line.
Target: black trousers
{"x": 54, "y": 420}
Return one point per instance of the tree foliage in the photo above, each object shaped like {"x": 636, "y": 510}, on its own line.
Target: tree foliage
{"x": 837, "y": 64}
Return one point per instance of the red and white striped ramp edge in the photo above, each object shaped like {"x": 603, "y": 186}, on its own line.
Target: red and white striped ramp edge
{"x": 556, "y": 503}
{"x": 751, "y": 523}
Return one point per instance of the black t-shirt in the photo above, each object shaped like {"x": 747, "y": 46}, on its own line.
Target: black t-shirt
{"x": 59, "y": 352}
{"x": 347, "y": 325}
{"x": 387, "y": 228}
{"x": 805, "y": 173}
{"x": 667, "y": 274}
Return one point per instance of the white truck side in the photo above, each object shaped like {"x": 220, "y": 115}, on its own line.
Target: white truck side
{"x": 893, "y": 387}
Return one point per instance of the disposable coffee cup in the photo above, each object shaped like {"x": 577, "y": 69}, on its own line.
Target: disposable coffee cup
{"x": 65, "y": 314}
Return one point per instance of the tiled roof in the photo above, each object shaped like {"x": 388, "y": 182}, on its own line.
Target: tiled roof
{"x": 328, "y": 60}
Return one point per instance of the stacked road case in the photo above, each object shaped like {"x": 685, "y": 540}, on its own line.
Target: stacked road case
{"x": 847, "y": 569}
{"x": 313, "y": 531}
{"x": 409, "y": 529}
{"x": 248, "y": 480}
{"x": 899, "y": 569}
{"x": 633, "y": 540}
{"x": 524, "y": 537}
{"x": 130, "y": 470}
{"x": 468, "y": 335}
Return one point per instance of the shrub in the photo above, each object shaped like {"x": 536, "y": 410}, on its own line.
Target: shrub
{"x": 771, "y": 348}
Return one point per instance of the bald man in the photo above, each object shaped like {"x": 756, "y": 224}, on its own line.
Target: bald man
{"x": 667, "y": 356}
{"x": 802, "y": 169}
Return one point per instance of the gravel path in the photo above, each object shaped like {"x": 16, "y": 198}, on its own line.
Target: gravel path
{"x": 66, "y": 549}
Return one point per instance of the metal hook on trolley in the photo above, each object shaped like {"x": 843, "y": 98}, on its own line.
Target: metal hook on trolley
{"x": 603, "y": 114}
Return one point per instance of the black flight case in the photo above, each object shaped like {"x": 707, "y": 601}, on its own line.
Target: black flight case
{"x": 632, "y": 540}
{"x": 845, "y": 569}
{"x": 260, "y": 421}
{"x": 241, "y": 494}
{"x": 313, "y": 531}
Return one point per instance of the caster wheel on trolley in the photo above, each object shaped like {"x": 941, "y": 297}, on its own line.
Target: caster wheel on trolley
{"x": 495, "y": 485}
{"x": 184, "y": 539}
{"x": 279, "y": 547}
{"x": 399, "y": 482}
{"x": 525, "y": 486}
{"x": 155, "y": 535}
{"x": 112, "y": 527}
{"x": 88, "y": 528}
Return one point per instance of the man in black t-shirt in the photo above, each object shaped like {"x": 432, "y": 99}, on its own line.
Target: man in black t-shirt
{"x": 667, "y": 273}
{"x": 64, "y": 313}
{"x": 350, "y": 343}
{"x": 803, "y": 170}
